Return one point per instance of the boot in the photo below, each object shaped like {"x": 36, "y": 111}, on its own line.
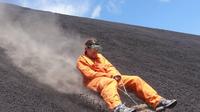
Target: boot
{"x": 164, "y": 103}
{"x": 123, "y": 108}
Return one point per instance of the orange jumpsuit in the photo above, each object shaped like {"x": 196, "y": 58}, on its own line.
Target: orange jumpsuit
{"x": 98, "y": 73}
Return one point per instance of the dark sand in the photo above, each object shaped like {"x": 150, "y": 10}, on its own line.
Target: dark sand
{"x": 168, "y": 61}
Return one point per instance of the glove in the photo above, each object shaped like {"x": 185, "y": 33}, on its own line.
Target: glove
{"x": 117, "y": 77}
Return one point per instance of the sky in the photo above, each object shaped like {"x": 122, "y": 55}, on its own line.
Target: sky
{"x": 174, "y": 15}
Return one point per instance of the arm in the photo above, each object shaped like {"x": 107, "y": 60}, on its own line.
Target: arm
{"x": 88, "y": 72}
{"x": 110, "y": 68}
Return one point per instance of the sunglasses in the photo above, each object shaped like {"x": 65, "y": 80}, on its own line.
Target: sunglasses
{"x": 96, "y": 48}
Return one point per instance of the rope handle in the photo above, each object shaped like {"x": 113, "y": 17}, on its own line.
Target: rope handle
{"x": 126, "y": 93}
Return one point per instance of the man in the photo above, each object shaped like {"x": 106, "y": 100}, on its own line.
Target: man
{"x": 101, "y": 76}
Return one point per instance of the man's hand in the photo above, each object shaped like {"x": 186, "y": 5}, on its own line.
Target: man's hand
{"x": 117, "y": 77}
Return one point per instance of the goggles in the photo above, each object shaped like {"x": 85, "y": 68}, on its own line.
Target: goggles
{"x": 96, "y": 47}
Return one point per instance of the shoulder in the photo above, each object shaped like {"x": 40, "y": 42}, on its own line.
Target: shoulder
{"x": 81, "y": 57}
{"x": 100, "y": 55}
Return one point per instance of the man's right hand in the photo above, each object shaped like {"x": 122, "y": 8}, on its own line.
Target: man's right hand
{"x": 117, "y": 77}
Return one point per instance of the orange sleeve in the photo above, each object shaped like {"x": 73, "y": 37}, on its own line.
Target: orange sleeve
{"x": 88, "y": 72}
{"x": 110, "y": 68}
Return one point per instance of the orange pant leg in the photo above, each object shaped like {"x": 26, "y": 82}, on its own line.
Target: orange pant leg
{"x": 141, "y": 89}
{"x": 107, "y": 88}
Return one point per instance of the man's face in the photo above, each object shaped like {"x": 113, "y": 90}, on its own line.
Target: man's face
{"x": 91, "y": 53}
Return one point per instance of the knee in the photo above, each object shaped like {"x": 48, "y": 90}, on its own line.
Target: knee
{"x": 110, "y": 80}
{"x": 107, "y": 81}
{"x": 136, "y": 78}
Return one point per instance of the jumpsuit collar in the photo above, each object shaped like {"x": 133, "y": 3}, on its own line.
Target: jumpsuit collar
{"x": 89, "y": 60}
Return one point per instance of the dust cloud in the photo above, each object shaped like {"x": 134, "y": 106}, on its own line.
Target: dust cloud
{"x": 38, "y": 45}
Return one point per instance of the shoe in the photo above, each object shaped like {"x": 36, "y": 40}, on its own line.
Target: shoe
{"x": 164, "y": 104}
{"x": 123, "y": 108}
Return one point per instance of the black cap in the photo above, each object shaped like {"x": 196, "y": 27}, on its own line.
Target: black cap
{"x": 92, "y": 43}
